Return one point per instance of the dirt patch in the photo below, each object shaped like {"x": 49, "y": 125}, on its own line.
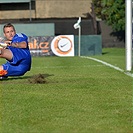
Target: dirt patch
{"x": 38, "y": 79}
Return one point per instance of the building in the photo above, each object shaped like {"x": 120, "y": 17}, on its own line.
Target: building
{"x": 43, "y": 9}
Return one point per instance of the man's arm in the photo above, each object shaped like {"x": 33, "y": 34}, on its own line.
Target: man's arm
{"x": 19, "y": 44}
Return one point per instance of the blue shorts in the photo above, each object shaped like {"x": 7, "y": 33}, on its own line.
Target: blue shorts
{"x": 20, "y": 63}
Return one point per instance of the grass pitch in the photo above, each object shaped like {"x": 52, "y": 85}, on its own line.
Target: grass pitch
{"x": 75, "y": 95}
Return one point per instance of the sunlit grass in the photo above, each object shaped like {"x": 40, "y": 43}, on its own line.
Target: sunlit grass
{"x": 79, "y": 96}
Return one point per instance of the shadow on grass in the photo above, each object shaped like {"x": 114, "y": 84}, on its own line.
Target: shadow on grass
{"x": 33, "y": 79}
{"x": 103, "y": 53}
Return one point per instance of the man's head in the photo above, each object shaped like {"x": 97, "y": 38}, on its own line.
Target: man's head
{"x": 9, "y": 31}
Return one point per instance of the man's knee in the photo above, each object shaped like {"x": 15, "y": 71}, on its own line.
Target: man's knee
{"x": 6, "y": 53}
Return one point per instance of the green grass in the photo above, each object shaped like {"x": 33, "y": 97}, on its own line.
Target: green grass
{"x": 114, "y": 56}
{"x": 79, "y": 96}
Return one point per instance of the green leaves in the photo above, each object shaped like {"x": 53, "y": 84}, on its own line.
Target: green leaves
{"x": 112, "y": 11}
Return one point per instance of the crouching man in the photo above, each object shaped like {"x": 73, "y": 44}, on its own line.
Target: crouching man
{"x": 16, "y": 51}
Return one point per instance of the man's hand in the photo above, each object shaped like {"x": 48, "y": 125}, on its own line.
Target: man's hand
{"x": 8, "y": 43}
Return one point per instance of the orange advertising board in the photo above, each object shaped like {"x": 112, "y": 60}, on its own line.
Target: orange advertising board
{"x": 62, "y": 45}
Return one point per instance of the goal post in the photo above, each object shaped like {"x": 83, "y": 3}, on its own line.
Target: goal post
{"x": 128, "y": 35}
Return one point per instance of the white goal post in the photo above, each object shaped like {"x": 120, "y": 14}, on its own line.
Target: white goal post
{"x": 128, "y": 34}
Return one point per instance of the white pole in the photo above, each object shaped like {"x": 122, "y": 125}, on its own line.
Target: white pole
{"x": 79, "y": 39}
{"x": 77, "y": 26}
{"x": 128, "y": 35}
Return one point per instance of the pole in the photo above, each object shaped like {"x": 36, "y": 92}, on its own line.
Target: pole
{"x": 77, "y": 26}
{"x": 30, "y": 11}
{"x": 128, "y": 35}
{"x": 79, "y": 39}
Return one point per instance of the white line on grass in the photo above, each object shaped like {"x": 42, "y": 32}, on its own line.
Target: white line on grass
{"x": 107, "y": 64}
{"x": 58, "y": 67}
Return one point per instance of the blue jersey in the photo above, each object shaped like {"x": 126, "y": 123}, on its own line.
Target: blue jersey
{"x": 21, "y": 61}
{"x": 20, "y": 37}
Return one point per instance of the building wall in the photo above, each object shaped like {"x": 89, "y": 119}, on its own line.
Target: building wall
{"x": 46, "y": 9}
{"x": 62, "y": 8}
{"x": 19, "y": 14}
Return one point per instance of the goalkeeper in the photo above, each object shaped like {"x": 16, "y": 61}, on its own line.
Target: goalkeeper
{"x": 16, "y": 51}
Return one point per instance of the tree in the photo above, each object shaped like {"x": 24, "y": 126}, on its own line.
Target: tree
{"x": 112, "y": 12}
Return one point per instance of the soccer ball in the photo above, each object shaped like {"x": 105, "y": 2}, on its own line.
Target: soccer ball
{"x": 3, "y": 45}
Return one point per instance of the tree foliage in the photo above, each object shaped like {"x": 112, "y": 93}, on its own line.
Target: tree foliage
{"x": 112, "y": 12}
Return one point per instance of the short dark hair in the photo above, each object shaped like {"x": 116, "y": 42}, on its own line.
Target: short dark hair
{"x": 8, "y": 25}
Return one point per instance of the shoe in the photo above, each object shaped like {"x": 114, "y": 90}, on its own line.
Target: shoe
{"x": 4, "y": 77}
{"x": 2, "y": 73}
